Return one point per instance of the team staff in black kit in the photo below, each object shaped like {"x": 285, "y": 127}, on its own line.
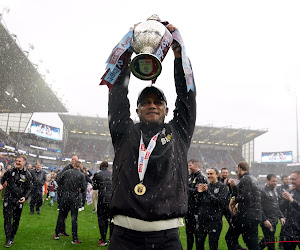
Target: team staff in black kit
{"x": 270, "y": 212}
{"x": 247, "y": 210}
{"x": 72, "y": 182}
{"x": 150, "y": 198}
{"x": 212, "y": 198}
{"x": 38, "y": 181}
{"x": 19, "y": 185}
{"x": 191, "y": 217}
{"x": 102, "y": 181}
{"x": 291, "y": 230}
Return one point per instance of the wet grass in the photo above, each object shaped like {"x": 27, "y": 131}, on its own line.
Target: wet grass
{"x": 36, "y": 231}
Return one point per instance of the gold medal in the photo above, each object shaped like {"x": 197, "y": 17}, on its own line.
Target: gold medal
{"x": 140, "y": 189}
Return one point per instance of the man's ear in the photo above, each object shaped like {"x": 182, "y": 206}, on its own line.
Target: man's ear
{"x": 167, "y": 111}
{"x": 137, "y": 111}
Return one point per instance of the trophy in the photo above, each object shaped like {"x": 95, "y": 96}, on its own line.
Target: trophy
{"x": 151, "y": 42}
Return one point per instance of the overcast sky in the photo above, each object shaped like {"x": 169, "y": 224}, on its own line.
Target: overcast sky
{"x": 245, "y": 57}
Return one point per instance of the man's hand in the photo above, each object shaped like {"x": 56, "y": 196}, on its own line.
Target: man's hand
{"x": 1, "y": 186}
{"x": 286, "y": 195}
{"x": 231, "y": 204}
{"x": 235, "y": 209}
{"x": 268, "y": 224}
{"x": 232, "y": 182}
{"x": 175, "y": 46}
{"x": 22, "y": 200}
{"x": 201, "y": 187}
{"x": 282, "y": 221}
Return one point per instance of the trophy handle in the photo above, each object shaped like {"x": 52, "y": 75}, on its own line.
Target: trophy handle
{"x": 146, "y": 66}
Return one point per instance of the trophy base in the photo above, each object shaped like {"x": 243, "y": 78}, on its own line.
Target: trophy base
{"x": 145, "y": 66}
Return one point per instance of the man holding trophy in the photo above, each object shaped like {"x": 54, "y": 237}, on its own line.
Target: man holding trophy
{"x": 150, "y": 173}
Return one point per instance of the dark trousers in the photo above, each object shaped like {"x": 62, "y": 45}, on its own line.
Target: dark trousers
{"x": 248, "y": 229}
{"x": 212, "y": 229}
{"x": 68, "y": 203}
{"x": 12, "y": 211}
{"x": 36, "y": 201}
{"x": 59, "y": 196}
{"x": 126, "y": 239}
{"x": 269, "y": 236}
{"x": 289, "y": 244}
{"x": 190, "y": 229}
{"x": 103, "y": 219}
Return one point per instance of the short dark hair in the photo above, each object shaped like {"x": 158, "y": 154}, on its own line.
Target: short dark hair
{"x": 296, "y": 172}
{"x": 216, "y": 170}
{"x": 103, "y": 164}
{"x": 244, "y": 166}
{"x": 193, "y": 161}
{"x": 284, "y": 176}
{"x": 270, "y": 176}
{"x": 224, "y": 169}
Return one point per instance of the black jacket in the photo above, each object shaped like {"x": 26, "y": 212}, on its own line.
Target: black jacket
{"x": 102, "y": 181}
{"x": 193, "y": 201}
{"x": 166, "y": 178}
{"x": 281, "y": 200}
{"x": 270, "y": 205}
{"x": 38, "y": 180}
{"x": 19, "y": 183}
{"x": 72, "y": 182}
{"x": 249, "y": 198}
{"x": 292, "y": 223}
{"x": 212, "y": 201}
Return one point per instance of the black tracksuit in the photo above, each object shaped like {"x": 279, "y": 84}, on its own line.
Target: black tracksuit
{"x": 72, "y": 182}
{"x": 102, "y": 181}
{"x": 210, "y": 213}
{"x": 249, "y": 214}
{"x": 270, "y": 212}
{"x": 39, "y": 179}
{"x": 191, "y": 218}
{"x": 59, "y": 188}
{"x": 166, "y": 178}
{"x": 19, "y": 184}
{"x": 291, "y": 230}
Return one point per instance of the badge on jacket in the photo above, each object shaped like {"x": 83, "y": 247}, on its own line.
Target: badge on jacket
{"x": 166, "y": 139}
{"x": 216, "y": 190}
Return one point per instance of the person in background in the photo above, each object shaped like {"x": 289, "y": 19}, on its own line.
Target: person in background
{"x": 52, "y": 189}
{"x": 291, "y": 230}
{"x": 72, "y": 182}
{"x": 270, "y": 212}
{"x": 88, "y": 180}
{"x": 102, "y": 182}
{"x": 212, "y": 198}
{"x": 39, "y": 179}
{"x": 19, "y": 185}
{"x": 191, "y": 219}
{"x": 246, "y": 208}
{"x": 285, "y": 182}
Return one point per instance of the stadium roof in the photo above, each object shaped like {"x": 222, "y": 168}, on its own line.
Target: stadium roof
{"x": 23, "y": 90}
{"x": 206, "y": 135}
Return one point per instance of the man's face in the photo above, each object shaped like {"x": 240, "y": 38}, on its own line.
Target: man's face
{"x": 152, "y": 110}
{"x": 20, "y": 163}
{"x": 286, "y": 181}
{"x": 29, "y": 166}
{"x": 239, "y": 173}
{"x": 74, "y": 159}
{"x": 224, "y": 173}
{"x": 38, "y": 166}
{"x": 295, "y": 180}
{"x": 193, "y": 167}
{"x": 272, "y": 183}
{"x": 212, "y": 176}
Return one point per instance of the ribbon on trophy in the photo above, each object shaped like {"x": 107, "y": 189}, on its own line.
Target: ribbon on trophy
{"x": 187, "y": 68}
{"x": 118, "y": 59}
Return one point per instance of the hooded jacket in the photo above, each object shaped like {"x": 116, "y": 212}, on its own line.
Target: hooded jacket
{"x": 166, "y": 177}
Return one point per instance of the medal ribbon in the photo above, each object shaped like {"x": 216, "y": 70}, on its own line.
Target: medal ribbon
{"x": 144, "y": 155}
